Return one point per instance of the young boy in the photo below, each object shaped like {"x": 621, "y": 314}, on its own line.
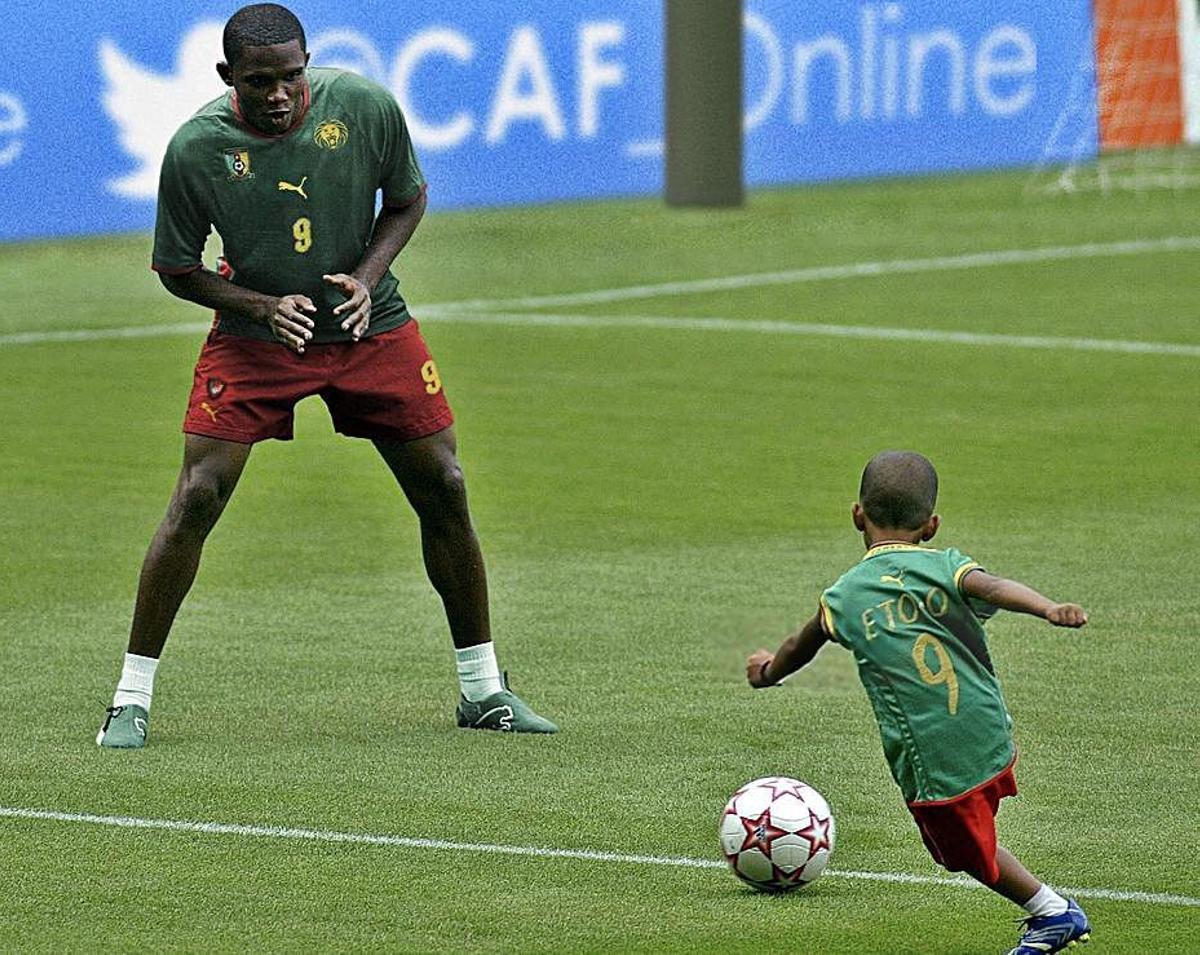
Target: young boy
{"x": 912, "y": 616}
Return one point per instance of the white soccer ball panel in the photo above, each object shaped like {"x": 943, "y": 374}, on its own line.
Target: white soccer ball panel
{"x": 788, "y": 812}
{"x": 753, "y": 802}
{"x": 732, "y": 833}
{"x": 754, "y": 866}
{"x": 790, "y": 853}
{"x": 816, "y": 865}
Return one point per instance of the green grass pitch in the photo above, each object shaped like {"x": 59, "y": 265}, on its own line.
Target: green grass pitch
{"x": 654, "y": 502}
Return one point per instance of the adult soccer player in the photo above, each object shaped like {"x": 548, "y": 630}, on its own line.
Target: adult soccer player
{"x": 286, "y": 167}
{"x": 912, "y": 616}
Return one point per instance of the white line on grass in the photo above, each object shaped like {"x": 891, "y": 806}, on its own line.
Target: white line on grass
{"x": 758, "y": 326}
{"x": 775, "y": 327}
{"x": 826, "y": 273}
{"x": 100, "y": 334}
{"x": 795, "y": 276}
{"x": 587, "y": 855}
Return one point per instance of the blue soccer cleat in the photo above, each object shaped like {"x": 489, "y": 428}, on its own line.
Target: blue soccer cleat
{"x": 1054, "y": 933}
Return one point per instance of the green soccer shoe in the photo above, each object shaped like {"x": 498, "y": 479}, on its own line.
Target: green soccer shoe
{"x": 124, "y": 727}
{"x": 504, "y": 711}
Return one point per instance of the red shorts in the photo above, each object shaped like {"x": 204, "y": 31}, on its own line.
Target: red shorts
{"x": 384, "y": 387}
{"x": 960, "y": 833}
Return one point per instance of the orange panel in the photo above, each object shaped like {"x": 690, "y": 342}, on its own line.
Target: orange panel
{"x": 1138, "y": 73}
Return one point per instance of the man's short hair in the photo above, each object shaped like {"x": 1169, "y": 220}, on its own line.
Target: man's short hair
{"x": 260, "y": 24}
{"x": 898, "y": 489}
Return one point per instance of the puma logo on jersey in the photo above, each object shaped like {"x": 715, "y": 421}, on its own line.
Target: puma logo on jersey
{"x": 898, "y": 579}
{"x": 288, "y": 187}
{"x": 209, "y": 410}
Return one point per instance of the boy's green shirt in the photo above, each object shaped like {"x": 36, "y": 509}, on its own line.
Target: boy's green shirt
{"x": 293, "y": 207}
{"x": 922, "y": 656}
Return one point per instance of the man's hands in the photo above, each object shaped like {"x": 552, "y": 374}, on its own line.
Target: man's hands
{"x": 756, "y": 668}
{"x": 795, "y": 652}
{"x": 356, "y": 308}
{"x": 289, "y": 323}
{"x": 1013, "y": 595}
{"x": 1067, "y": 615}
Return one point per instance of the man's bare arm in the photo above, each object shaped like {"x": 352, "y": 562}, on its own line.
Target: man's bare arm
{"x": 393, "y": 228}
{"x": 285, "y": 316}
{"x": 764, "y": 668}
{"x": 1013, "y": 595}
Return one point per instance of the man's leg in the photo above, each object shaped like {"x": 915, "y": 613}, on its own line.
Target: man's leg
{"x": 428, "y": 472}
{"x": 1016, "y": 883}
{"x": 211, "y": 469}
{"x": 1054, "y": 923}
{"x": 210, "y": 472}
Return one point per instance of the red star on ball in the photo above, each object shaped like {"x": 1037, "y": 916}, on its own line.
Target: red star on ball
{"x": 784, "y": 787}
{"x": 817, "y": 834}
{"x": 760, "y": 833}
{"x": 788, "y": 879}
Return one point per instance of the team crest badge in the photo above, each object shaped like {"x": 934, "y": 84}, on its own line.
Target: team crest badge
{"x": 215, "y": 386}
{"x": 331, "y": 134}
{"x": 237, "y": 161}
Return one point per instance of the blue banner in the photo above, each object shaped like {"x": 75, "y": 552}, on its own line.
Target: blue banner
{"x": 544, "y": 100}
{"x": 841, "y": 90}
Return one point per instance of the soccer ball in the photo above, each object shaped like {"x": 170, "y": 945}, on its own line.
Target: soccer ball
{"x": 777, "y": 833}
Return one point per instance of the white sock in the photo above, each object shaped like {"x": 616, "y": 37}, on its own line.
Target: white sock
{"x": 478, "y": 672}
{"x": 136, "y": 685}
{"x": 1045, "y": 902}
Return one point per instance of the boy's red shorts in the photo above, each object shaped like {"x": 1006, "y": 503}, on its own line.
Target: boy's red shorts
{"x": 960, "y": 833}
{"x": 384, "y": 387}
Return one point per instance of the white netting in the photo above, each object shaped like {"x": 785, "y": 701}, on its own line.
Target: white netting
{"x": 1134, "y": 82}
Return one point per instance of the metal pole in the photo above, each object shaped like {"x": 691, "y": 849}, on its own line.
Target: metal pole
{"x": 704, "y": 103}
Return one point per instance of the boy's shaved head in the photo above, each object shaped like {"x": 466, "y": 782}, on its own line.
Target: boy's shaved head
{"x": 898, "y": 490}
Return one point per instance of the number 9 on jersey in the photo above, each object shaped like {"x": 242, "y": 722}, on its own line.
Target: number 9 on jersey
{"x": 302, "y": 233}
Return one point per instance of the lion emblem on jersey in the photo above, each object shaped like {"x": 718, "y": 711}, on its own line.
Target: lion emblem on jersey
{"x": 331, "y": 134}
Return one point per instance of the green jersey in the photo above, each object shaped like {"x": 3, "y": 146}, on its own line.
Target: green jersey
{"x": 293, "y": 207}
{"x": 922, "y": 656}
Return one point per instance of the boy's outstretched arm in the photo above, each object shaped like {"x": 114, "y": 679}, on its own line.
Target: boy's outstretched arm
{"x": 764, "y": 668}
{"x": 1013, "y": 595}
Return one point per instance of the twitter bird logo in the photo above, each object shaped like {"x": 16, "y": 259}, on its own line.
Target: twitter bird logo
{"x": 148, "y": 107}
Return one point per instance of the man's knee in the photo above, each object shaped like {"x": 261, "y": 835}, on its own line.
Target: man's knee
{"x": 198, "y": 502}
{"x": 441, "y": 492}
